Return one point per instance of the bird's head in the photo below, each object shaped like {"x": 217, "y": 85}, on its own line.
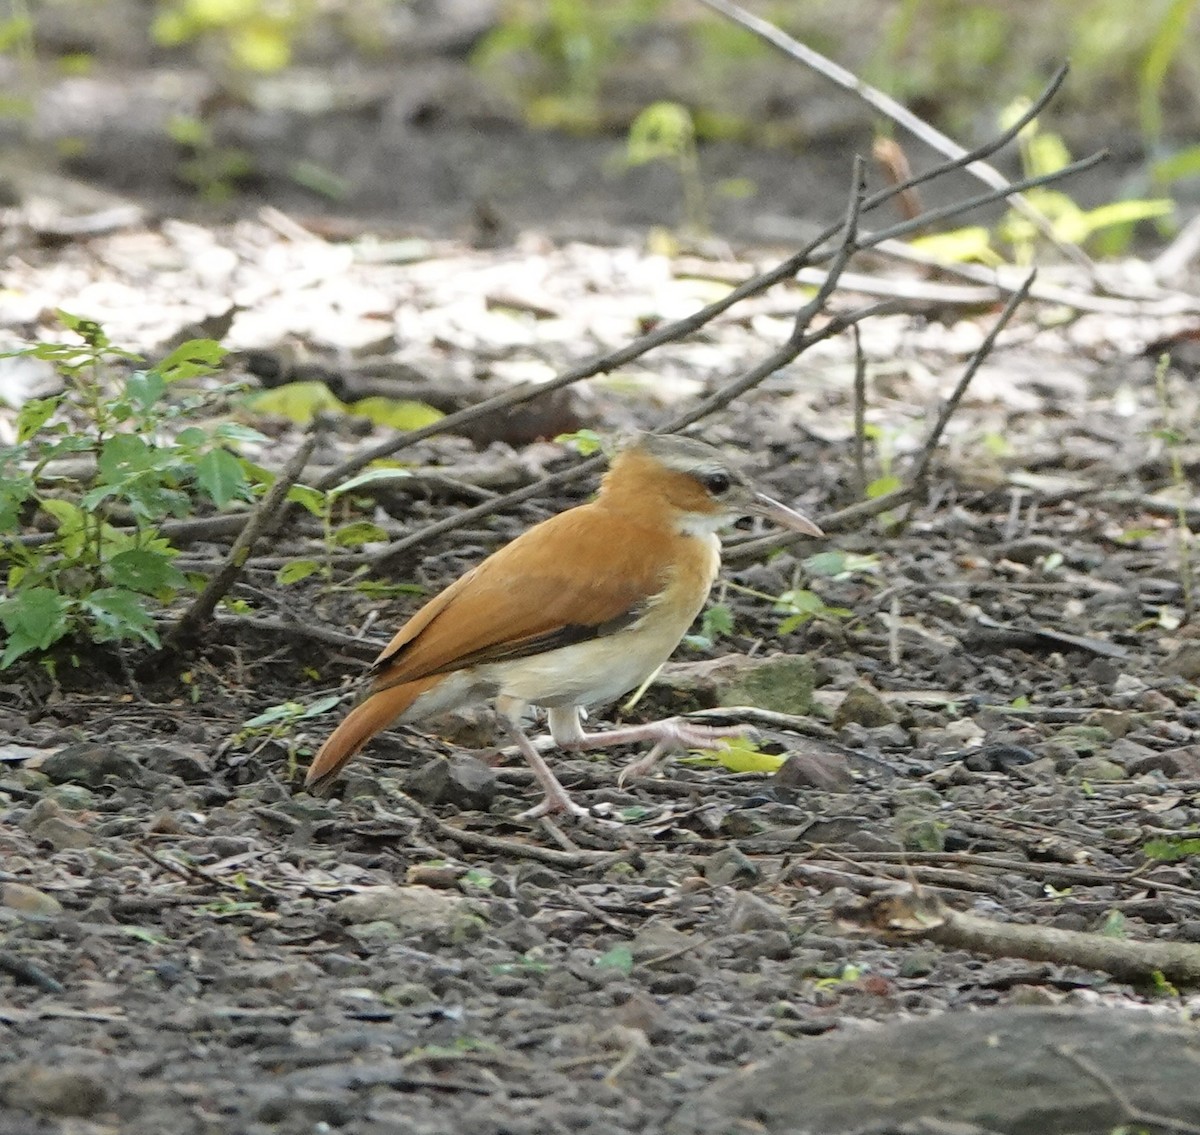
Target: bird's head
{"x": 700, "y": 484}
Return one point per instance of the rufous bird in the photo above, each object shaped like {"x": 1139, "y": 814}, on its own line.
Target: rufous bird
{"x": 575, "y": 612}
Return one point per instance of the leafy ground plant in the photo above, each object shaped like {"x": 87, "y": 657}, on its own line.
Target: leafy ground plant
{"x": 94, "y": 470}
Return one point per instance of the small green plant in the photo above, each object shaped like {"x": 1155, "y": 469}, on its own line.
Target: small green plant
{"x": 1171, "y": 850}
{"x": 584, "y": 442}
{"x": 551, "y": 55}
{"x": 279, "y": 723}
{"x": 16, "y": 40}
{"x": 211, "y": 169}
{"x": 1115, "y": 925}
{"x": 666, "y": 132}
{"x": 99, "y": 466}
{"x": 246, "y": 35}
{"x": 351, "y": 534}
{"x": 619, "y": 958}
{"x": 1107, "y": 228}
{"x": 802, "y": 605}
{"x": 715, "y": 623}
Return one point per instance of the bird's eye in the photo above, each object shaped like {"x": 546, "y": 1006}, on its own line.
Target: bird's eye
{"x": 716, "y": 483}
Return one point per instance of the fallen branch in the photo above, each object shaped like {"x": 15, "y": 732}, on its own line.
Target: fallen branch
{"x": 906, "y": 912}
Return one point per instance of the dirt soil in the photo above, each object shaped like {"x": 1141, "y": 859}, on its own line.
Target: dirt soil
{"x": 995, "y": 699}
{"x": 1004, "y": 712}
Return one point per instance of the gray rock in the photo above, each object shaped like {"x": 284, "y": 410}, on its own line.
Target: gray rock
{"x": 863, "y": 706}
{"x": 830, "y": 772}
{"x": 782, "y": 683}
{"x": 461, "y": 780}
{"x": 730, "y": 865}
{"x": 53, "y": 1091}
{"x": 1096, "y": 768}
{"x": 408, "y": 908}
{"x": 1010, "y": 1073}
{"x": 89, "y": 763}
{"x": 29, "y": 900}
{"x": 750, "y": 913}
{"x": 1184, "y": 662}
{"x": 1182, "y": 763}
{"x": 62, "y": 834}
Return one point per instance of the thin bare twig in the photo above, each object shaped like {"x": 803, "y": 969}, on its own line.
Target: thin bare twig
{"x": 860, "y": 415}
{"x": 261, "y": 520}
{"x": 921, "y": 469}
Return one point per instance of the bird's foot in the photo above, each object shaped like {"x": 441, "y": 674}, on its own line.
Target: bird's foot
{"x": 553, "y": 805}
{"x": 670, "y": 733}
{"x": 557, "y": 800}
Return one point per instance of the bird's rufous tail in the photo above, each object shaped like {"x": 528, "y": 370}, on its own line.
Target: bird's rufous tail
{"x": 375, "y": 713}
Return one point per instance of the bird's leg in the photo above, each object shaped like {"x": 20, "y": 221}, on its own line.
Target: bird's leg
{"x": 669, "y": 734}
{"x": 557, "y": 798}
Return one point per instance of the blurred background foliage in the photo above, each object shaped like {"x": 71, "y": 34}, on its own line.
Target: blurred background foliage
{"x": 593, "y": 67}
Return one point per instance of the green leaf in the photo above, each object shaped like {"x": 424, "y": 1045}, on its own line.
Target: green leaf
{"x": 959, "y": 246}
{"x": 191, "y": 359}
{"x": 369, "y": 477}
{"x": 119, "y": 614}
{"x": 35, "y": 414}
{"x": 296, "y": 570}
{"x": 16, "y": 32}
{"x": 357, "y": 533}
{"x": 1176, "y": 167}
{"x": 87, "y": 329}
{"x": 837, "y": 564}
{"x": 72, "y": 532}
{"x": 145, "y": 388}
{"x": 619, "y": 958}
{"x": 299, "y": 402}
{"x": 664, "y": 130}
{"x": 139, "y": 569}
{"x": 262, "y": 45}
{"x": 396, "y": 414}
{"x": 584, "y": 442}
{"x": 311, "y": 499}
{"x": 800, "y": 601}
{"x": 1078, "y": 227}
{"x": 1114, "y": 925}
{"x": 1171, "y": 849}
{"x": 292, "y": 711}
{"x": 16, "y": 487}
{"x": 235, "y": 431}
{"x": 717, "y": 620}
{"x": 742, "y": 755}
{"x": 220, "y": 475}
{"x": 35, "y": 618}
{"x": 881, "y": 486}
{"x": 124, "y": 456}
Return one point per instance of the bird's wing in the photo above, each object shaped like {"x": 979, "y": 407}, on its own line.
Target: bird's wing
{"x": 531, "y": 596}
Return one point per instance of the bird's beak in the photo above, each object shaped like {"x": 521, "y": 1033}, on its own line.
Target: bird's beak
{"x": 762, "y": 505}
